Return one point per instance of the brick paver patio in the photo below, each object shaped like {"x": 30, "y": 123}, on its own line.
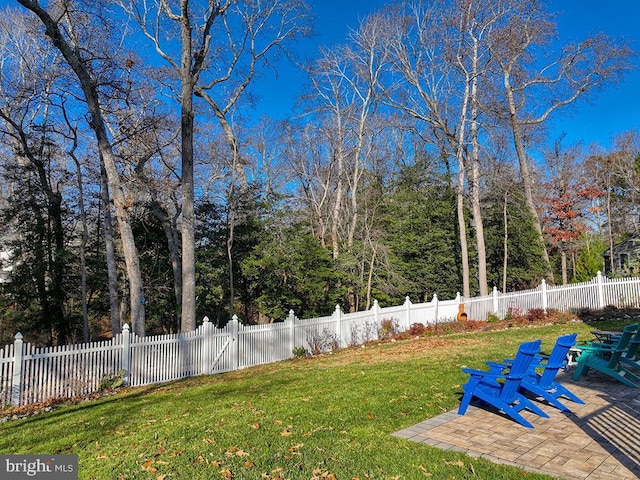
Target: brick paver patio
{"x": 598, "y": 441}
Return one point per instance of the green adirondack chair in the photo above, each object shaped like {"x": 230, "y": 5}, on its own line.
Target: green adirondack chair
{"x": 607, "y": 359}
{"x": 631, "y": 356}
{"x": 501, "y": 390}
{"x": 540, "y": 377}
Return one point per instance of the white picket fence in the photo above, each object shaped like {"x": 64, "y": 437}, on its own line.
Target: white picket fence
{"x": 30, "y": 374}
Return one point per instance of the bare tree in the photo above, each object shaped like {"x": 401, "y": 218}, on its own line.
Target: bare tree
{"x": 534, "y": 87}
{"x": 419, "y": 58}
{"x": 221, "y": 45}
{"x": 65, "y": 30}
{"x": 470, "y": 23}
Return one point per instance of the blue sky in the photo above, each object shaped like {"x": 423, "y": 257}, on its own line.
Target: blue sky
{"x": 608, "y": 113}
{"x": 612, "y": 111}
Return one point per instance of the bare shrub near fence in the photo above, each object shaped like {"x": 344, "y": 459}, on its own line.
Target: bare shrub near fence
{"x": 362, "y": 333}
{"x": 389, "y": 327}
{"x": 324, "y": 341}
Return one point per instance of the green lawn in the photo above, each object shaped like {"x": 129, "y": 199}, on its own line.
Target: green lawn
{"x": 316, "y": 418}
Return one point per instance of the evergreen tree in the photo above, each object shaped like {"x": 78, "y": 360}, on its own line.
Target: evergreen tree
{"x": 420, "y": 218}
{"x": 524, "y": 254}
{"x": 290, "y": 270}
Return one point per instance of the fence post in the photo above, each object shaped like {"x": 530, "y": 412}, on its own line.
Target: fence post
{"x": 376, "y": 311}
{"x": 600, "y": 290}
{"x": 18, "y": 360}
{"x": 495, "y": 301}
{"x": 207, "y": 347}
{"x": 126, "y": 354}
{"x": 435, "y": 302}
{"x": 545, "y": 301}
{"x": 407, "y": 305}
{"x": 291, "y": 319}
{"x": 337, "y": 313}
{"x": 234, "y": 346}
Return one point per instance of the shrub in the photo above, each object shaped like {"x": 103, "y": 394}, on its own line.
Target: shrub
{"x": 324, "y": 341}
{"x": 110, "y": 381}
{"x": 388, "y": 328}
{"x": 300, "y": 352}
{"x": 416, "y": 329}
{"x": 492, "y": 318}
{"x": 536, "y": 314}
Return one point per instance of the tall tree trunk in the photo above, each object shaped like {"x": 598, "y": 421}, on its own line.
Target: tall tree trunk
{"x": 612, "y": 262}
{"x": 83, "y": 248}
{"x": 188, "y": 319}
{"x": 505, "y": 260}
{"x": 462, "y": 226}
{"x": 337, "y": 204}
{"x": 110, "y": 254}
{"x": 474, "y": 184}
{"x": 170, "y": 232}
{"x": 527, "y": 180}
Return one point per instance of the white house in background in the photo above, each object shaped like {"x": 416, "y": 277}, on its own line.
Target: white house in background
{"x": 5, "y": 267}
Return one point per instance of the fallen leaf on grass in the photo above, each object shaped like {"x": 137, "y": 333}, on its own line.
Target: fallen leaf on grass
{"x": 457, "y": 464}
{"x": 319, "y": 474}
{"x": 148, "y": 466}
{"x": 370, "y": 416}
{"x": 226, "y": 474}
{"x": 425, "y": 472}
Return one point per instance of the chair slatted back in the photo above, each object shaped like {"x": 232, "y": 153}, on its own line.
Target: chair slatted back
{"x": 622, "y": 343}
{"x": 557, "y": 359}
{"x": 526, "y": 352}
{"x": 634, "y": 345}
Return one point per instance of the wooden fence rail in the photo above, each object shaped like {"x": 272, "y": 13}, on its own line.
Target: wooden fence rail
{"x": 30, "y": 374}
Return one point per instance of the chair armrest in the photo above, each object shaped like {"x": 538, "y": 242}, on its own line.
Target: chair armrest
{"x": 482, "y": 373}
{"x": 491, "y": 375}
{"x": 594, "y": 348}
{"x": 604, "y": 346}
{"x": 497, "y": 368}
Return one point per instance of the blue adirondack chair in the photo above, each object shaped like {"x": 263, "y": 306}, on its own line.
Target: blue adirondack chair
{"x": 540, "y": 378}
{"x": 606, "y": 359}
{"x": 500, "y": 390}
